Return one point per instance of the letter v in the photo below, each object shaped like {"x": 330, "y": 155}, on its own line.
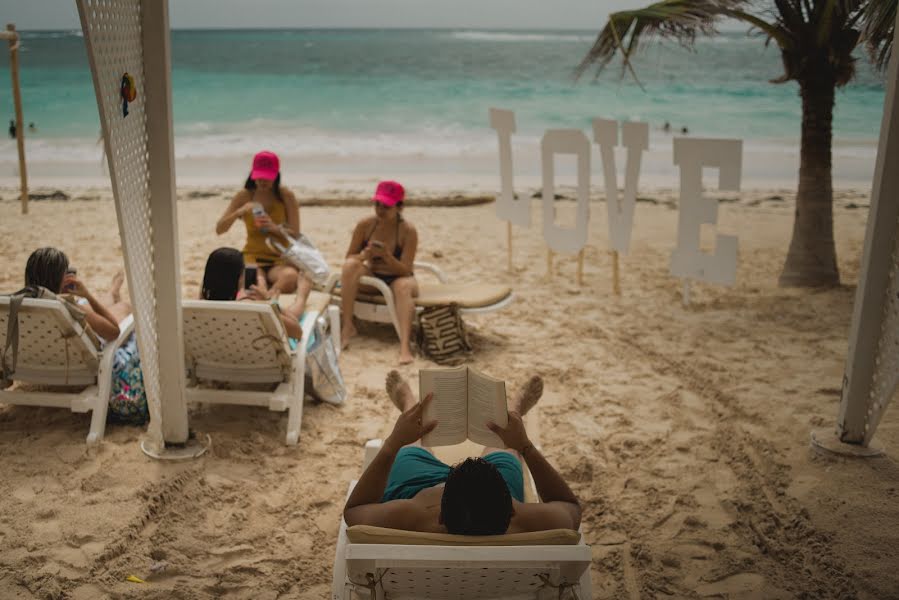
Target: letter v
{"x": 621, "y": 210}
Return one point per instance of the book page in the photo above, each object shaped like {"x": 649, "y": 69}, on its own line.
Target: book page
{"x": 486, "y": 402}
{"x": 448, "y": 407}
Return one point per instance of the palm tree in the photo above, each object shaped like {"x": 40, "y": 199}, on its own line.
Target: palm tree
{"x": 816, "y": 39}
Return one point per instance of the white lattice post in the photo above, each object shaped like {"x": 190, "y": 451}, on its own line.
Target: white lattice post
{"x": 132, "y": 37}
{"x": 872, "y": 366}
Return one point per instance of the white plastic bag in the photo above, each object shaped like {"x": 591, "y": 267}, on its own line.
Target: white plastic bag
{"x": 303, "y": 254}
{"x": 322, "y": 367}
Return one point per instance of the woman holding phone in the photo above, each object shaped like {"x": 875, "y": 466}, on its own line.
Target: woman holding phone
{"x": 383, "y": 246}
{"x": 50, "y": 269}
{"x": 227, "y": 278}
{"x": 267, "y": 209}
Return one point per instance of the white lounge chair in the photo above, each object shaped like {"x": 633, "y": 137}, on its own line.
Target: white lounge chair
{"x": 471, "y": 298}
{"x": 55, "y": 351}
{"x": 243, "y": 343}
{"x": 375, "y": 562}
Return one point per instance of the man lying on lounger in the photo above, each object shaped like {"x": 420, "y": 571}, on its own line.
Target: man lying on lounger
{"x": 405, "y": 487}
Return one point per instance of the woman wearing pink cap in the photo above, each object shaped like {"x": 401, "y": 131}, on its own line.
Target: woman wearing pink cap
{"x": 267, "y": 209}
{"x": 383, "y": 246}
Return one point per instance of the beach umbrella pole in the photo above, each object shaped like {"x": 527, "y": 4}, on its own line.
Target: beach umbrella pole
{"x": 130, "y": 58}
{"x": 12, "y": 37}
{"x": 872, "y": 365}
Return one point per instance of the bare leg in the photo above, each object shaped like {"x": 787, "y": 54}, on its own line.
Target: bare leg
{"x": 283, "y": 280}
{"x": 525, "y": 400}
{"x": 353, "y": 269}
{"x": 405, "y": 289}
{"x": 295, "y": 310}
{"x": 402, "y": 397}
{"x": 112, "y": 300}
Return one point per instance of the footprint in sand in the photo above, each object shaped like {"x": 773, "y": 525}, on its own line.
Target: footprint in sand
{"x": 740, "y": 585}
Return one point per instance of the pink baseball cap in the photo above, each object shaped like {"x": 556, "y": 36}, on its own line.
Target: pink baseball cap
{"x": 389, "y": 193}
{"x": 265, "y": 166}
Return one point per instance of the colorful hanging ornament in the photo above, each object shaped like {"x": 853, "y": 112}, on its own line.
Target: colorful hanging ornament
{"x": 128, "y": 92}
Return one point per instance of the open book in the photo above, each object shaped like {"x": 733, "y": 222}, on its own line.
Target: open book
{"x": 464, "y": 402}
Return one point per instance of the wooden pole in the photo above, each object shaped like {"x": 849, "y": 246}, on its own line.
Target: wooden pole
{"x": 20, "y": 122}
{"x": 686, "y": 292}
{"x": 580, "y": 267}
{"x": 509, "y": 238}
{"x": 616, "y": 283}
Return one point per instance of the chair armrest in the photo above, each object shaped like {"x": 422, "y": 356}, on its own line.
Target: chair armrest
{"x": 126, "y": 328}
{"x": 328, "y": 286}
{"x": 378, "y": 284}
{"x": 433, "y": 269}
{"x": 372, "y": 447}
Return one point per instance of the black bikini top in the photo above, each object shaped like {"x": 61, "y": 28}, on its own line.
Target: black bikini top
{"x": 397, "y": 249}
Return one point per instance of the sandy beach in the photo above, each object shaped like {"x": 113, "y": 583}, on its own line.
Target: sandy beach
{"x": 684, "y": 430}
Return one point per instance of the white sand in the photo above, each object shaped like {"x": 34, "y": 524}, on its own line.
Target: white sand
{"x": 683, "y": 430}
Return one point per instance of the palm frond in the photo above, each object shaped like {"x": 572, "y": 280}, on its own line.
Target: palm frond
{"x": 878, "y": 30}
{"x": 679, "y": 20}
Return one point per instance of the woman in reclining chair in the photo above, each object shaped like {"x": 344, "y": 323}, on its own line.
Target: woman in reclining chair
{"x": 406, "y": 487}
{"x": 267, "y": 209}
{"x": 225, "y": 279}
{"x": 383, "y": 246}
{"x": 49, "y": 268}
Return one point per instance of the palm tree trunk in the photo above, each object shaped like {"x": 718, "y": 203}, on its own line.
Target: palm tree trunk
{"x": 812, "y": 258}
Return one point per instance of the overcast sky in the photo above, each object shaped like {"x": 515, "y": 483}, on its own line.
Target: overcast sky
{"x": 483, "y": 14}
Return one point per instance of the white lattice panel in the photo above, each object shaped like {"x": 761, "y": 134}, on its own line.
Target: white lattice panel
{"x": 52, "y": 347}
{"x": 454, "y": 583}
{"x": 114, "y": 31}
{"x": 241, "y": 339}
{"x": 886, "y": 360}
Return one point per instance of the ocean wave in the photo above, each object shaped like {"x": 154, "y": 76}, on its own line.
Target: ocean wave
{"x": 50, "y": 35}
{"x": 439, "y": 143}
{"x": 508, "y": 36}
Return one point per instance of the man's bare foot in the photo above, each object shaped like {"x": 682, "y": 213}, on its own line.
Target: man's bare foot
{"x": 528, "y": 395}
{"x": 347, "y": 332}
{"x": 115, "y": 289}
{"x": 399, "y": 391}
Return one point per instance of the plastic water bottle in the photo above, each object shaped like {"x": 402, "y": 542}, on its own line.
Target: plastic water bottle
{"x": 258, "y": 212}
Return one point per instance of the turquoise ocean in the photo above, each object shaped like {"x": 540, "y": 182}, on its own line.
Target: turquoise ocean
{"x": 356, "y": 95}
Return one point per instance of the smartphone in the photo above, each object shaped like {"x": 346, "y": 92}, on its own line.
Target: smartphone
{"x": 70, "y": 271}
{"x": 249, "y": 276}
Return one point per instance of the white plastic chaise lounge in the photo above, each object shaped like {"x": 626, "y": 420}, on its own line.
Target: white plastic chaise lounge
{"x": 246, "y": 343}
{"x": 54, "y": 350}
{"x": 471, "y": 298}
{"x": 376, "y": 562}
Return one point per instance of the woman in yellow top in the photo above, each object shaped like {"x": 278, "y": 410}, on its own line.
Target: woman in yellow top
{"x": 267, "y": 209}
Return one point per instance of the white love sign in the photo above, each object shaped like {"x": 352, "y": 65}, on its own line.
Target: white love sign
{"x": 687, "y": 260}
{"x": 565, "y": 141}
{"x": 621, "y": 209}
{"x": 507, "y": 207}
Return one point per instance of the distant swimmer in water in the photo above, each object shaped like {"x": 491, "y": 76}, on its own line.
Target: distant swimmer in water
{"x": 12, "y": 129}
{"x": 684, "y": 130}
{"x": 31, "y": 127}
{"x": 666, "y": 127}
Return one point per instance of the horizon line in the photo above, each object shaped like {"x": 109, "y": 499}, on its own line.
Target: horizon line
{"x": 353, "y": 27}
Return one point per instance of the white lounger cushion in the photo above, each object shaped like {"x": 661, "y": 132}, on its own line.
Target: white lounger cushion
{"x": 367, "y": 534}
{"x": 476, "y": 295}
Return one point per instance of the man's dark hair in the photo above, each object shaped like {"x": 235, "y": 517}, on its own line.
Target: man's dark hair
{"x": 46, "y": 267}
{"x": 476, "y": 500}
{"x": 221, "y": 279}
